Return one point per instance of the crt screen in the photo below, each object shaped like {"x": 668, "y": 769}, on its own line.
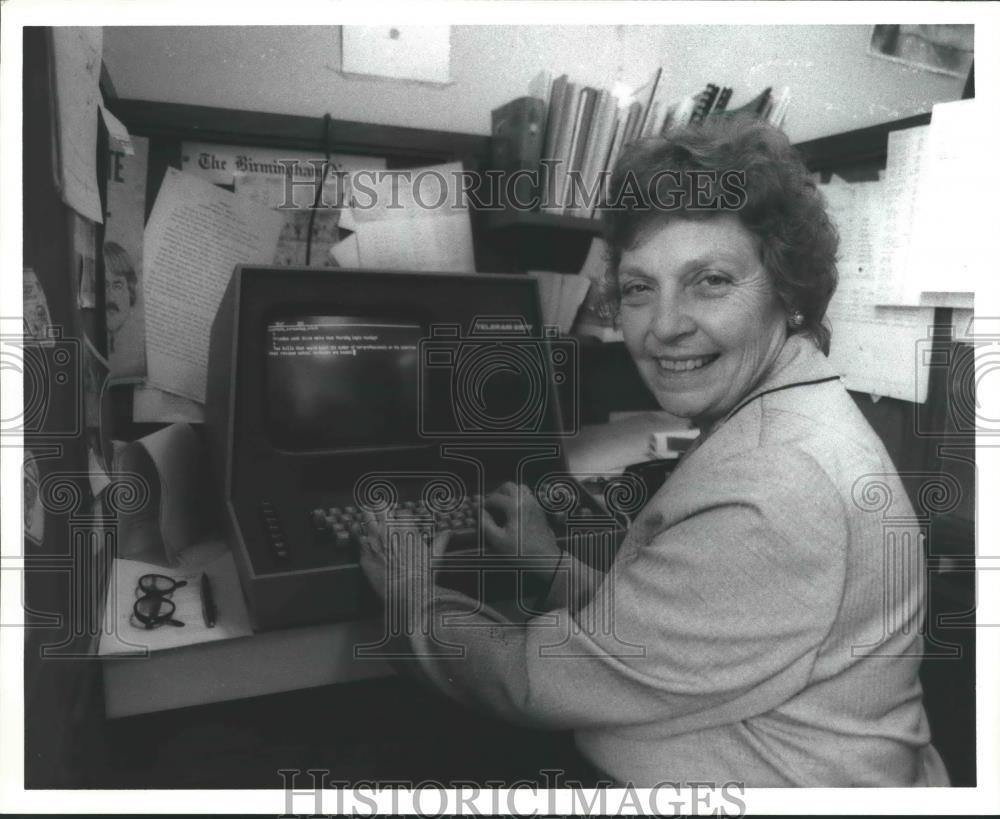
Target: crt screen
{"x": 342, "y": 382}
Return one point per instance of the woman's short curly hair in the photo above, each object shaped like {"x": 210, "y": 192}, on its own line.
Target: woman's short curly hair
{"x": 653, "y": 181}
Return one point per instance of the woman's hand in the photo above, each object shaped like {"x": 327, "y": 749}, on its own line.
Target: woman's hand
{"x": 522, "y": 529}
{"x": 397, "y": 559}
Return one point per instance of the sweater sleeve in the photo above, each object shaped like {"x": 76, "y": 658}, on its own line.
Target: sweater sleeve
{"x": 711, "y": 619}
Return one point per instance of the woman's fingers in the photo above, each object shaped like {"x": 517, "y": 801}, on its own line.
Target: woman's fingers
{"x": 492, "y": 529}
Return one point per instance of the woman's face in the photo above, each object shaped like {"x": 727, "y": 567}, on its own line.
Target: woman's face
{"x": 699, "y": 314}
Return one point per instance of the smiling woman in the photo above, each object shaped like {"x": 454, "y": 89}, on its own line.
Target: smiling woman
{"x": 700, "y": 315}
{"x": 761, "y": 622}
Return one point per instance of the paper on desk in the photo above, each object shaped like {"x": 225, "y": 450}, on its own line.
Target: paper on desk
{"x": 150, "y": 405}
{"x": 122, "y": 637}
{"x": 76, "y": 58}
{"x": 875, "y": 347}
{"x": 168, "y": 464}
{"x": 606, "y": 449}
{"x": 197, "y": 233}
{"x": 415, "y": 219}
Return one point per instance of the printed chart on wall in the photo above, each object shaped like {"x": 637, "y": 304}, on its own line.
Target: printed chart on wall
{"x": 906, "y": 249}
{"x": 286, "y": 181}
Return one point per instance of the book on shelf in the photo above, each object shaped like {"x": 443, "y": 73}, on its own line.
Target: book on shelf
{"x": 682, "y": 113}
{"x": 602, "y": 134}
{"x": 776, "y": 116}
{"x": 578, "y": 147}
{"x": 517, "y": 144}
{"x": 644, "y": 97}
{"x": 657, "y": 108}
{"x": 562, "y": 142}
{"x": 724, "y": 96}
{"x": 574, "y": 134}
{"x": 541, "y": 86}
{"x": 704, "y": 103}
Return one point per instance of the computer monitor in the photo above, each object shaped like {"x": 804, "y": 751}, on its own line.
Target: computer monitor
{"x": 329, "y": 388}
{"x": 336, "y": 382}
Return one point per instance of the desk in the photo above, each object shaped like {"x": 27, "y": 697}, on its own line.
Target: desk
{"x": 265, "y": 663}
{"x": 305, "y": 657}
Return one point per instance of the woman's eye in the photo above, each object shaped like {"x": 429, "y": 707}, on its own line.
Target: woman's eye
{"x": 635, "y": 289}
{"x": 714, "y": 281}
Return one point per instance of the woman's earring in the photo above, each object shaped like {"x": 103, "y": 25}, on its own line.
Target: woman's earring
{"x": 796, "y": 319}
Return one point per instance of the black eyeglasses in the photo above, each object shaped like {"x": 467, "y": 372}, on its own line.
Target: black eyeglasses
{"x": 154, "y": 608}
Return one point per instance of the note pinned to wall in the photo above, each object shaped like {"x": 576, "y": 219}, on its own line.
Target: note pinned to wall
{"x": 416, "y": 219}
{"x": 197, "y": 233}
{"x": 877, "y": 348}
{"x": 76, "y": 57}
{"x": 936, "y": 224}
{"x": 896, "y": 208}
{"x": 954, "y": 222}
{"x": 307, "y": 234}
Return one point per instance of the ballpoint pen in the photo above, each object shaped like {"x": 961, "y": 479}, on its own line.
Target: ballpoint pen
{"x": 208, "y": 609}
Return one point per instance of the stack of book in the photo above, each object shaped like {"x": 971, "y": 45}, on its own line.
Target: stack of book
{"x": 568, "y": 136}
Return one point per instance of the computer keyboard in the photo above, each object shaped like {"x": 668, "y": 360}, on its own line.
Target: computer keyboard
{"x": 344, "y": 526}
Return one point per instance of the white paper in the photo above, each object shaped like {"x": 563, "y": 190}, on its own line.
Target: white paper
{"x": 428, "y": 243}
{"x": 77, "y": 54}
{"x": 129, "y": 638}
{"x": 410, "y": 52}
{"x": 963, "y": 325}
{"x": 270, "y": 192}
{"x": 346, "y": 252}
{"x": 954, "y": 227}
{"x": 117, "y": 133}
{"x": 895, "y": 214}
{"x": 876, "y": 348}
{"x": 408, "y": 193}
{"x": 416, "y": 219}
{"x": 150, "y": 405}
{"x": 197, "y": 233}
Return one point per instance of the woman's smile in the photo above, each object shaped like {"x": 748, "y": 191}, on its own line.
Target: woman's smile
{"x": 699, "y": 315}
{"x": 678, "y": 365}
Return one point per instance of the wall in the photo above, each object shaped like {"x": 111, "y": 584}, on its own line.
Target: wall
{"x": 835, "y": 85}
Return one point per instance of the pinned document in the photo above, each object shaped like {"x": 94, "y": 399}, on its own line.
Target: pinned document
{"x": 197, "y": 234}
{"x": 877, "y": 348}
{"x": 416, "y": 219}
